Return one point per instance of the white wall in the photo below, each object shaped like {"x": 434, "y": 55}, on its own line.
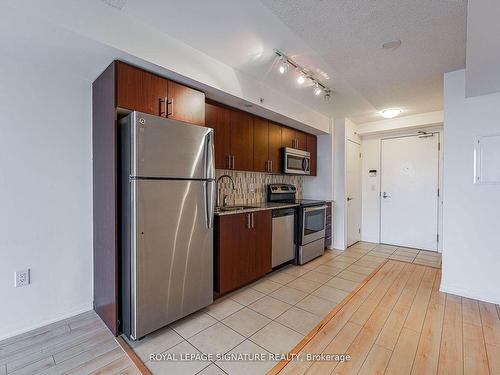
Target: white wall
{"x": 370, "y": 159}
{"x": 45, "y": 190}
{"x": 471, "y": 250}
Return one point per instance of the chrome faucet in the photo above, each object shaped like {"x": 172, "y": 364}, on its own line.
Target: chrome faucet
{"x": 224, "y": 201}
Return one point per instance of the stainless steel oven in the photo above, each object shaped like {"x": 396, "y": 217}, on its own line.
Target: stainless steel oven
{"x": 296, "y": 161}
{"x": 312, "y": 230}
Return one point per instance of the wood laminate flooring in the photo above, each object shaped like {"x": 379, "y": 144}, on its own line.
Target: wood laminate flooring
{"x": 400, "y": 323}
{"x": 79, "y": 345}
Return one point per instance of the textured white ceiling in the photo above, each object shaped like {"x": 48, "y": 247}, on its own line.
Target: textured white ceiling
{"x": 348, "y": 34}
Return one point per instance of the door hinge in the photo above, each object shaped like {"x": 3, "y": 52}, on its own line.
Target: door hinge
{"x": 438, "y": 192}
{"x": 360, "y": 155}
{"x": 439, "y": 146}
{"x": 437, "y": 237}
{"x": 359, "y": 230}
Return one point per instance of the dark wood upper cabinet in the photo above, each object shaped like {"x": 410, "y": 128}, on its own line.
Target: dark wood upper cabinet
{"x": 217, "y": 118}
{"x": 312, "y": 147}
{"x": 275, "y": 147}
{"x": 287, "y": 137}
{"x": 139, "y": 90}
{"x": 241, "y": 126}
{"x": 301, "y": 140}
{"x": 185, "y": 104}
{"x": 261, "y": 161}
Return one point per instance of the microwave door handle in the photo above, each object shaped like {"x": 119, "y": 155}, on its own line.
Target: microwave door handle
{"x": 309, "y": 209}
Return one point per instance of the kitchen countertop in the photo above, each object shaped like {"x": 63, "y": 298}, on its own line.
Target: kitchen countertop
{"x": 256, "y": 207}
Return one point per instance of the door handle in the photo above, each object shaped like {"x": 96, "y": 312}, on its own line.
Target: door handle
{"x": 169, "y": 114}
{"x": 271, "y": 165}
{"x": 248, "y": 221}
{"x": 385, "y": 195}
{"x": 253, "y": 220}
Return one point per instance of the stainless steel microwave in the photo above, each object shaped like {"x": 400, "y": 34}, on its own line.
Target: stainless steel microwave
{"x": 296, "y": 161}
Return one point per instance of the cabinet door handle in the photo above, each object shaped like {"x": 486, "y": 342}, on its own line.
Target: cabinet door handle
{"x": 248, "y": 221}
{"x": 171, "y": 102}
{"x": 165, "y": 112}
{"x": 233, "y": 161}
{"x": 228, "y": 161}
{"x": 271, "y": 165}
{"x": 253, "y": 220}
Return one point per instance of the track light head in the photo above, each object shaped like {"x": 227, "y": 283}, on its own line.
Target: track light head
{"x": 301, "y": 79}
{"x": 327, "y": 96}
{"x": 284, "y": 65}
{"x": 317, "y": 89}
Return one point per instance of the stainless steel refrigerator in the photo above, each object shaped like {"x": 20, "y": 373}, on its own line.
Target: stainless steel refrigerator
{"x": 167, "y": 193}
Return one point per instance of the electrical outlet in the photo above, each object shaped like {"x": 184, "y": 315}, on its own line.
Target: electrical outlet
{"x": 22, "y": 278}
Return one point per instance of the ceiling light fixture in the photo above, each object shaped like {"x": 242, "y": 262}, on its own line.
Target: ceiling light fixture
{"x": 391, "y": 112}
{"x": 327, "y": 96}
{"x": 317, "y": 89}
{"x": 284, "y": 65}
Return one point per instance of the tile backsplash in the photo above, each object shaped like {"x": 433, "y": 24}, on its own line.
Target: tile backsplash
{"x": 243, "y": 182}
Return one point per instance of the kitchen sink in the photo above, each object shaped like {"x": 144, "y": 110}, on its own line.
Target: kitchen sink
{"x": 234, "y": 208}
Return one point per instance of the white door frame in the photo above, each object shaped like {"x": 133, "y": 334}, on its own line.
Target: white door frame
{"x": 438, "y": 133}
{"x": 346, "y": 195}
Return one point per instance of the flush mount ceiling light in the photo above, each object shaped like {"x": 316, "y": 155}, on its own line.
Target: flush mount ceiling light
{"x": 392, "y": 45}
{"x": 284, "y": 65}
{"x": 391, "y": 112}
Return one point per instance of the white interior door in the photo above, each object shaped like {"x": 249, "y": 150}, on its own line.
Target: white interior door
{"x": 409, "y": 191}
{"x": 353, "y": 190}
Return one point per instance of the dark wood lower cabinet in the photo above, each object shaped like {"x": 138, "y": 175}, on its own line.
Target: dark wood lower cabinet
{"x": 242, "y": 249}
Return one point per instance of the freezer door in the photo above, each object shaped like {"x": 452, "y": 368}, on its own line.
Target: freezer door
{"x": 172, "y": 251}
{"x": 164, "y": 148}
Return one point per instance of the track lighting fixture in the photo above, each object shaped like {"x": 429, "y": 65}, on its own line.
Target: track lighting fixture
{"x": 317, "y": 89}
{"x": 284, "y": 66}
{"x": 327, "y": 96}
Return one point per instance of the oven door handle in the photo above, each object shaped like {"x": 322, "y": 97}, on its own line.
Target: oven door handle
{"x": 309, "y": 209}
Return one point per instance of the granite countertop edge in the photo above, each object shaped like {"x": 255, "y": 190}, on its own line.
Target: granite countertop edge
{"x": 257, "y": 207}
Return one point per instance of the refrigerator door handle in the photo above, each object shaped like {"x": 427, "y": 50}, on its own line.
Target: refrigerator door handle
{"x": 209, "y": 203}
{"x": 209, "y": 156}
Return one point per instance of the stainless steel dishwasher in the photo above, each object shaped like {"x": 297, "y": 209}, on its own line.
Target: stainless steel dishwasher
{"x": 283, "y": 235}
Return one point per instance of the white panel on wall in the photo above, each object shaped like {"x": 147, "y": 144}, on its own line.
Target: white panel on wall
{"x": 487, "y": 159}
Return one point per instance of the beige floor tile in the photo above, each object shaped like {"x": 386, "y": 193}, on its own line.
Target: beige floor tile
{"x": 387, "y": 248}
{"x": 380, "y": 254}
{"x": 299, "y": 320}
{"x": 223, "y": 308}
{"x": 247, "y": 348}
{"x": 305, "y": 285}
{"x": 316, "y": 305}
{"x": 364, "y": 245}
{"x": 213, "y": 369}
{"x": 329, "y": 293}
{"x": 216, "y": 339}
{"x": 246, "y": 296}
{"x": 281, "y": 277}
{"x": 342, "y": 284}
{"x": 270, "y": 307}
{"x": 367, "y": 263}
{"x": 353, "y": 276}
{"x": 316, "y": 276}
{"x": 402, "y": 258}
{"x": 339, "y": 264}
{"x": 156, "y": 342}
{"x": 246, "y": 322}
{"x": 288, "y": 295}
{"x": 178, "y": 367}
{"x": 373, "y": 258}
{"x": 276, "y": 338}
{"x": 295, "y": 270}
{"x": 266, "y": 286}
{"x": 329, "y": 270}
{"x": 315, "y": 263}
{"x": 192, "y": 324}
{"x": 360, "y": 269}
{"x": 406, "y": 251}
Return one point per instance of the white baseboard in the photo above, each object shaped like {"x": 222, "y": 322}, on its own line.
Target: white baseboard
{"x": 469, "y": 294}
{"x": 80, "y": 310}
